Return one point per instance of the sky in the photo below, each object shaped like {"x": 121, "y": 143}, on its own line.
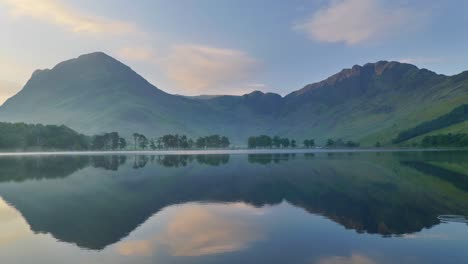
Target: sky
{"x": 194, "y": 47}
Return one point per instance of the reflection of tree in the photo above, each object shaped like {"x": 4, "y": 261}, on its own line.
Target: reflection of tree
{"x": 140, "y": 161}
{"x": 212, "y": 160}
{"x": 41, "y": 167}
{"x": 269, "y": 158}
{"x": 364, "y": 192}
{"x": 23, "y": 168}
{"x": 174, "y": 161}
{"x": 456, "y": 178}
{"x": 108, "y": 162}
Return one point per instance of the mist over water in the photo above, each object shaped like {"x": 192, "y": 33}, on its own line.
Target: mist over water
{"x": 322, "y": 207}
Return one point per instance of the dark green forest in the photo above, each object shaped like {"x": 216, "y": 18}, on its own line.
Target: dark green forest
{"x": 447, "y": 140}
{"x": 20, "y": 136}
{"x": 340, "y": 143}
{"x": 264, "y": 141}
{"x": 26, "y": 137}
{"x": 457, "y": 115}
{"x": 177, "y": 141}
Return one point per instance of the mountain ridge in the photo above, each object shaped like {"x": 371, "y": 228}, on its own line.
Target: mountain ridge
{"x": 94, "y": 93}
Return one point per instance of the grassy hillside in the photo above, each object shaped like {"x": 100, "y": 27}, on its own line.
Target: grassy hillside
{"x": 454, "y": 117}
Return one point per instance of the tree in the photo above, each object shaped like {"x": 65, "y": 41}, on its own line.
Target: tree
{"x": 312, "y": 142}
{"x": 276, "y": 141}
{"x": 293, "y": 143}
{"x": 201, "y": 143}
{"x": 136, "y": 136}
{"x": 225, "y": 142}
{"x": 330, "y": 142}
{"x": 306, "y": 143}
{"x": 152, "y": 144}
{"x": 262, "y": 141}
{"x": 99, "y": 142}
{"x": 285, "y": 142}
{"x": 252, "y": 142}
{"x": 183, "y": 142}
{"x": 351, "y": 144}
{"x": 114, "y": 140}
{"x": 377, "y": 144}
{"x": 122, "y": 143}
{"x": 190, "y": 143}
{"x": 142, "y": 142}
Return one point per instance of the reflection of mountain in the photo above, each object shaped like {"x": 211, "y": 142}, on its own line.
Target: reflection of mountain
{"x": 365, "y": 192}
{"x": 22, "y": 168}
{"x": 458, "y": 179}
{"x": 46, "y": 167}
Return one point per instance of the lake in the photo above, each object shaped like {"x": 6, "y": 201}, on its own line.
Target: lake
{"x": 324, "y": 208}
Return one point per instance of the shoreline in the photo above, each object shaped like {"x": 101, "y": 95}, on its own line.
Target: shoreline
{"x": 221, "y": 151}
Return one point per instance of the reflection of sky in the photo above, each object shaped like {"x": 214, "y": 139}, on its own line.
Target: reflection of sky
{"x": 195, "y": 230}
{"x": 12, "y": 225}
{"x": 234, "y": 233}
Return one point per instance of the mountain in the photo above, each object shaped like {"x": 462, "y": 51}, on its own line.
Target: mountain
{"x": 95, "y": 93}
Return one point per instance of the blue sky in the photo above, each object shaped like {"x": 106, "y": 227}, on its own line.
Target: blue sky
{"x": 232, "y": 47}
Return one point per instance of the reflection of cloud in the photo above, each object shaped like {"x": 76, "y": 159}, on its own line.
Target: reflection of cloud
{"x": 427, "y": 236}
{"x": 196, "y": 230}
{"x": 136, "y": 248}
{"x": 202, "y": 69}
{"x": 12, "y": 225}
{"x": 355, "y": 21}
{"x": 199, "y": 231}
{"x": 55, "y": 12}
{"x": 353, "y": 259}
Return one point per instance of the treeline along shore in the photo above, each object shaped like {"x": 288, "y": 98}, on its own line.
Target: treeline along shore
{"x": 38, "y": 137}
{"x": 26, "y": 137}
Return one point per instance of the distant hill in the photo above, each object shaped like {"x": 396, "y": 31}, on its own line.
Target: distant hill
{"x": 95, "y": 93}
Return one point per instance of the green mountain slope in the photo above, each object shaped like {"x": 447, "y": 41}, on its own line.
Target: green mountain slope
{"x": 375, "y": 102}
{"x": 95, "y": 93}
{"x": 456, "y": 116}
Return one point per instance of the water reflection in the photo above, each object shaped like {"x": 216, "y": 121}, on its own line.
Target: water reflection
{"x": 193, "y": 206}
{"x": 12, "y": 226}
{"x": 353, "y": 259}
{"x": 197, "y": 230}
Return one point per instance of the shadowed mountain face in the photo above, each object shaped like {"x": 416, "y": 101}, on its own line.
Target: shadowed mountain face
{"x": 97, "y": 201}
{"x": 95, "y": 93}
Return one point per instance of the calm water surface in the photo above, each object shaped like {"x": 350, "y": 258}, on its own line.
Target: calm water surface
{"x": 339, "y": 208}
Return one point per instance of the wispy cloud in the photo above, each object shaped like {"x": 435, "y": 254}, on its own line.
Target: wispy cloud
{"x": 355, "y": 21}
{"x": 422, "y": 60}
{"x": 136, "y": 54}
{"x": 197, "y": 69}
{"x": 257, "y": 85}
{"x": 71, "y": 19}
